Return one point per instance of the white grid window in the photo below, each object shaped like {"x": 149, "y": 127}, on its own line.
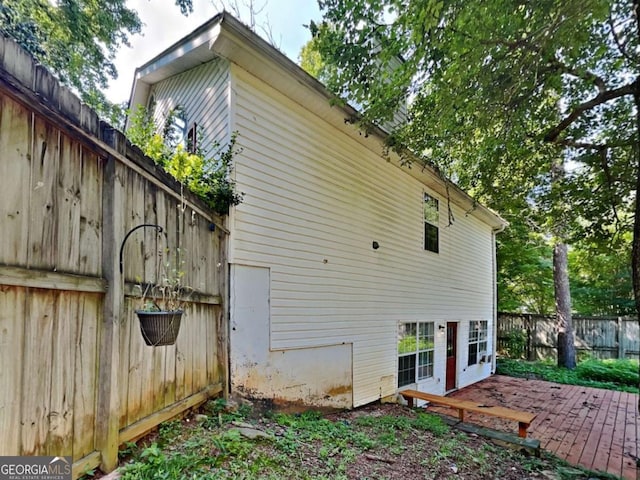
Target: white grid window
{"x": 478, "y": 333}
{"x": 415, "y": 352}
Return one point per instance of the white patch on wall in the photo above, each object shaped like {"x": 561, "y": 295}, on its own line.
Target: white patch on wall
{"x": 319, "y": 376}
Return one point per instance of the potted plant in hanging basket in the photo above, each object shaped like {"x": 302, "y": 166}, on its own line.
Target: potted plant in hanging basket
{"x": 162, "y": 307}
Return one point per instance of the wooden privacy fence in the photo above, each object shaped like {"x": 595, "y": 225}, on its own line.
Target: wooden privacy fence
{"x": 76, "y": 377}
{"x": 534, "y": 337}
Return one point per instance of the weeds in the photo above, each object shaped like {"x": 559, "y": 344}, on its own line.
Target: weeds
{"x": 312, "y": 446}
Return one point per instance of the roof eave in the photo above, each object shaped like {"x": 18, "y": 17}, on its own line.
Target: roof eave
{"x": 225, "y": 36}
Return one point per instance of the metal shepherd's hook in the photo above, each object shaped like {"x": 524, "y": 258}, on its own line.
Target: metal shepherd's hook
{"x": 153, "y": 225}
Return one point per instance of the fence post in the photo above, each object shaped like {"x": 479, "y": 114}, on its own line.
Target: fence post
{"x": 530, "y": 331}
{"x": 107, "y": 415}
{"x": 620, "y": 334}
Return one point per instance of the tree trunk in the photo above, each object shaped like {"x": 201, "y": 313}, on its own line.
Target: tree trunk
{"x": 566, "y": 347}
{"x": 635, "y": 245}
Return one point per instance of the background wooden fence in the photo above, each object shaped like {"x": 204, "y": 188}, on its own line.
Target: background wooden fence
{"x": 534, "y": 337}
{"x": 76, "y": 377}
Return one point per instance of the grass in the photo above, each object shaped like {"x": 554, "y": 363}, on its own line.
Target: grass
{"x": 374, "y": 442}
{"x": 620, "y": 375}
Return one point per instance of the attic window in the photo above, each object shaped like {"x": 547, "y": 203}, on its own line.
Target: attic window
{"x": 176, "y": 127}
{"x": 151, "y": 106}
{"x": 192, "y": 139}
{"x": 431, "y": 222}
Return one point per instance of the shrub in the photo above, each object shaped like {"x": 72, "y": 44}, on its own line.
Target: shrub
{"x": 209, "y": 177}
{"x": 623, "y": 372}
{"x": 514, "y": 344}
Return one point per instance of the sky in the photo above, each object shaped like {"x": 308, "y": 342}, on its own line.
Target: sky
{"x": 164, "y": 25}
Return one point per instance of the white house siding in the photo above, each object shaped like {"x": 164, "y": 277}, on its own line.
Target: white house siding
{"x": 204, "y": 93}
{"x": 315, "y": 200}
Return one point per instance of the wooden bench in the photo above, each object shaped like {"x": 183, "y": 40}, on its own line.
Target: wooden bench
{"x": 524, "y": 419}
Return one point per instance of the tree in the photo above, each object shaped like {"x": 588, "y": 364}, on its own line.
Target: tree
{"x": 311, "y": 61}
{"x": 76, "y": 40}
{"x": 525, "y": 269}
{"x": 502, "y": 92}
{"x": 601, "y": 279}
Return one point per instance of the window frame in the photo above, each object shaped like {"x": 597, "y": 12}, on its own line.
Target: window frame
{"x": 412, "y": 358}
{"x": 478, "y": 341}
{"x": 431, "y": 221}
{"x": 176, "y": 127}
{"x": 192, "y": 138}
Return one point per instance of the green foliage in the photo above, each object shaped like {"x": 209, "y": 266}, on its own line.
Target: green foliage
{"x": 607, "y": 374}
{"x": 209, "y": 177}
{"x": 621, "y": 372}
{"x": 431, "y": 423}
{"x": 311, "y": 61}
{"x": 514, "y": 344}
{"x": 169, "y": 431}
{"x": 77, "y": 41}
{"x": 601, "y": 278}
{"x": 312, "y": 426}
{"x": 525, "y": 267}
{"x": 500, "y": 92}
{"x": 410, "y": 344}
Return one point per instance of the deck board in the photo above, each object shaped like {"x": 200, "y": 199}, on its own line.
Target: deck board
{"x": 590, "y": 427}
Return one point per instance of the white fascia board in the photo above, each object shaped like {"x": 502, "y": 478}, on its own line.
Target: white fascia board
{"x": 238, "y": 44}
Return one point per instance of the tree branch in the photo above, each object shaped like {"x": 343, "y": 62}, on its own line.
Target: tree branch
{"x": 583, "y": 74}
{"x": 621, "y": 47}
{"x": 599, "y": 99}
{"x": 568, "y": 142}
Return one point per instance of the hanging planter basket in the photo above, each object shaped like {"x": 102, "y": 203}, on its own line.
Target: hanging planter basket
{"x": 159, "y": 328}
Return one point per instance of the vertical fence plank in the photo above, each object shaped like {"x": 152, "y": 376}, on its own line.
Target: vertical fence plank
{"x": 86, "y": 355}
{"x": 125, "y": 326}
{"x": 113, "y": 233}
{"x": 60, "y": 439}
{"x": 36, "y": 371}
{"x": 68, "y": 205}
{"x": 91, "y": 214}
{"x": 12, "y": 313}
{"x": 202, "y": 317}
{"x": 136, "y": 358}
{"x": 43, "y": 208}
{"x": 150, "y": 234}
{"x": 631, "y": 338}
{"x": 15, "y": 170}
{"x": 166, "y": 394}
{"x": 134, "y": 205}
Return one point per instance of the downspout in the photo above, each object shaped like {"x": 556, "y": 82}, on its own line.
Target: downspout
{"x": 494, "y": 274}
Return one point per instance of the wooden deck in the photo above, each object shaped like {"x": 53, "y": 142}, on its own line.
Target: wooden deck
{"x": 597, "y": 429}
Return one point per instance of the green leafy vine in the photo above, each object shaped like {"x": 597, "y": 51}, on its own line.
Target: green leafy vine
{"x": 209, "y": 177}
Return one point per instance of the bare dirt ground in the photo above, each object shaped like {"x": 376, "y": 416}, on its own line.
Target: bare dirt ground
{"x": 379, "y": 441}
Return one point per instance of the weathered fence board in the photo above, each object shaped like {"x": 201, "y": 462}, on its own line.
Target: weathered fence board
{"x": 15, "y": 147}
{"x": 535, "y": 336}
{"x": 36, "y": 371}
{"x": 77, "y": 378}
{"x": 85, "y": 350}
{"x": 12, "y": 306}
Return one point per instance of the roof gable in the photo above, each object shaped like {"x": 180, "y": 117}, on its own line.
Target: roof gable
{"x": 225, "y": 36}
